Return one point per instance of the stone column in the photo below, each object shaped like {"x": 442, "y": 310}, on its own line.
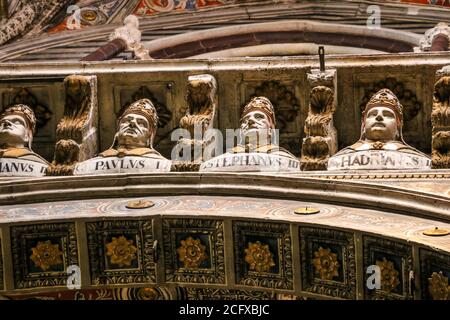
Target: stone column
{"x": 320, "y": 140}
{"x": 77, "y": 132}
{"x": 440, "y": 119}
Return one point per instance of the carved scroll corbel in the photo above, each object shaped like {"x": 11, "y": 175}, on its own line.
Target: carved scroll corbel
{"x": 321, "y": 137}
{"x": 440, "y": 119}
{"x": 201, "y": 115}
{"x": 76, "y": 133}
{"x": 124, "y": 38}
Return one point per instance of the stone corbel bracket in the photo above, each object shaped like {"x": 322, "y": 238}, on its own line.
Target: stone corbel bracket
{"x": 76, "y": 133}
{"x": 131, "y": 36}
{"x": 440, "y": 119}
{"x": 435, "y": 39}
{"x": 126, "y": 37}
{"x": 320, "y": 140}
{"x": 201, "y": 115}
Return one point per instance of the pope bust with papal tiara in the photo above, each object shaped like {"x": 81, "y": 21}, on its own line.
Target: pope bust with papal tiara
{"x": 257, "y": 149}
{"x": 381, "y": 145}
{"x": 17, "y": 127}
{"x": 132, "y": 149}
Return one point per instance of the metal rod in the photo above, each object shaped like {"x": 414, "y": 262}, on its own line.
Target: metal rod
{"x": 322, "y": 58}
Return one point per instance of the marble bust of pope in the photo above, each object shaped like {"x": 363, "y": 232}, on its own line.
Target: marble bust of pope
{"x": 132, "y": 149}
{"x": 17, "y": 126}
{"x": 381, "y": 144}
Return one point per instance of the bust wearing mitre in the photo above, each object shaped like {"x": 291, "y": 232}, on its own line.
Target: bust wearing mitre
{"x": 381, "y": 145}
{"x": 132, "y": 149}
{"x": 17, "y": 126}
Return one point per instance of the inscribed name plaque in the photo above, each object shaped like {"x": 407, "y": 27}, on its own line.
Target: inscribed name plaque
{"x": 12, "y": 167}
{"x": 250, "y": 162}
{"x": 127, "y": 164}
{"x": 378, "y": 159}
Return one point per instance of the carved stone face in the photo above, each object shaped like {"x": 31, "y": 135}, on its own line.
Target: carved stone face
{"x": 134, "y": 132}
{"x": 381, "y": 124}
{"x": 255, "y": 129}
{"x": 255, "y": 120}
{"x": 131, "y": 22}
{"x": 14, "y": 131}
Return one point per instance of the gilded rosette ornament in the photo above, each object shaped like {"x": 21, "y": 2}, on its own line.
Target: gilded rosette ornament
{"x": 121, "y": 251}
{"x": 147, "y": 294}
{"x": 45, "y": 255}
{"x": 326, "y": 264}
{"x": 259, "y": 257}
{"x": 389, "y": 276}
{"x": 438, "y": 286}
{"x": 191, "y": 253}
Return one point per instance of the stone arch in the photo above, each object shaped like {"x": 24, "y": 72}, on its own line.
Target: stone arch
{"x": 284, "y": 32}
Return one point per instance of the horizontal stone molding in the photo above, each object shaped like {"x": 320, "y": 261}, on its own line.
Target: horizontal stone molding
{"x": 362, "y": 194}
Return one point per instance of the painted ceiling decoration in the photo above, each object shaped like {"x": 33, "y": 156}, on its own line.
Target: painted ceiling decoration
{"x": 442, "y": 3}
{"x": 89, "y": 13}
{"x": 151, "y": 7}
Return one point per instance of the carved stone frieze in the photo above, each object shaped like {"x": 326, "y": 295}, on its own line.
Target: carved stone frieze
{"x": 440, "y": 119}
{"x": 321, "y": 137}
{"x": 77, "y": 132}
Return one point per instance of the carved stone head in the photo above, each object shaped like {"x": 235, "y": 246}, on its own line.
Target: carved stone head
{"x": 137, "y": 126}
{"x": 258, "y": 114}
{"x": 17, "y": 126}
{"x": 257, "y": 121}
{"x": 131, "y": 22}
{"x": 382, "y": 119}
